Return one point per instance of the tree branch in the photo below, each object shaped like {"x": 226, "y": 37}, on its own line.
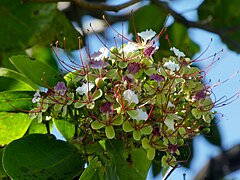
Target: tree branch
{"x": 181, "y": 19}
{"x": 92, "y": 5}
{"x": 205, "y": 25}
{"x": 221, "y": 165}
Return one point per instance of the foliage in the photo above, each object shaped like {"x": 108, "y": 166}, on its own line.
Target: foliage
{"x": 120, "y": 109}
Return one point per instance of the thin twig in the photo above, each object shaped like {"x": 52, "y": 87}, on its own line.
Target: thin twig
{"x": 92, "y": 5}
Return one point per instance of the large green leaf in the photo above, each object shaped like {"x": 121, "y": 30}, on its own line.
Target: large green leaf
{"x": 32, "y": 23}
{"x": 39, "y": 128}
{"x": 16, "y": 100}
{"x": 12, "y": 80}
{"x": 223, "y": 17}
{"x": 44, "y": 54}
{"x": 148, "y": 17}
{"x": 2, "y": 172}
{"x": 39, "y": 156}
{"x": 135, "y": 168}
{"x": 214, "y": 136}
{"x": 66, "y": 128}
{"x": 13, "y": 126}
{"x": 178, "y": 35}
{"x": 95, "y": 170}
{"x": 38, "y": 71}
{"x": 186, "y": 154}
{"x": 156, "y": 164}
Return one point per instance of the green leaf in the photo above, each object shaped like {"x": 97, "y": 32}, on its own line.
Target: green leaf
{"x": 39, "y": 72}
{"x": 97, "y": 125}
{"x": 2, "y": 172}
{"x": 45, "y": 55}
{"x": 214, "y": 136}
{"x": 97, "y": 94}
{"x": 127, "y": 127}
{"x": 136, "y": 135}
{"x": 144, "y": 20}
{"x": 16, "y": 100}
{"x": 13, "y": 126}
{"x": 178, "y": 35}
{"x": 39, "y": 128}
{"x": 66, "y": 128}
{"x": 33, "y": 23}
{"x": 223, "y": 17}
{"x": 141, "y": 163}
{"x": 156, "y": 164}
{"x": 135, "y": 168}
{"x": 94, "y": 170}
{"x": 62, "y": 30}
{"x": 146, "y": 130}
{"x": 186, "y": 153}
{"x": 39, "y": 156}
{"x": 151, "y": 153}
{"x": 110, "y": 132}
{"x": 12, "y": 80}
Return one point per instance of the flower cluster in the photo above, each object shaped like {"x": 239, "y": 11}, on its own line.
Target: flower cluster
{"x": 124, "y": 93}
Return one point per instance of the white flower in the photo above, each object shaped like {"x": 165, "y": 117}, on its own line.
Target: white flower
{"x": 129, "y": 47}
{"x": 141, "y": 115}
{"x": 170, "y": 104}
{"x": 130, "y": 96}
{"x": 85, "y": 88}
{"x": 177, "y": 52}
{"x": 101, "y": 54}
{"x": 36, "y": 97}
{"x": 146, "y": 35}
{"x": 172, "y": 66}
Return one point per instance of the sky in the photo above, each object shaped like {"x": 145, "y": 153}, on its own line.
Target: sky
{"x": 228, "y": 64}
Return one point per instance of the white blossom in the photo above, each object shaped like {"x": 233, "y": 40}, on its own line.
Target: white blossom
{"x": 129, "y": 47}
{"x": 101, "y": 54}
{"x": 141, "y": 115}
{"x": 130, "y": 96}
{"x": 85, "y": 88}
{"x": 170, "y": 104}
{"x": 172, "y": 66}
{"x": 147, "y": 35}
{"x": 36, "y": 97}
{"x": 178, "y": 53}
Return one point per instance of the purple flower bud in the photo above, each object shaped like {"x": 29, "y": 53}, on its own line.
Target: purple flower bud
{"x": 60, "y": 88}
{"x": 106, "y": 108}
{"x": 97, "y": 64}
{"x": 172, "y": 148}
{"x": 199, "y": 95}
{"x": 157, "y": 77}
{"x": 129, "y": 78}
{"x": 156, "y": 131}
{"x": 149, "y": 51}
{"x": 133, "y": 67}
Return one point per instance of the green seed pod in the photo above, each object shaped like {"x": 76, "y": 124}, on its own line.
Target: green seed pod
{"x": 206, "y": 130}
{"x": 145, "y": 143}
{"x": 136, "y": 135}
{"x": 97, "y": 125}
{"x": 110, "y": 133}
{"x": 151, "y": 153}
{"x": 127, "y": 127}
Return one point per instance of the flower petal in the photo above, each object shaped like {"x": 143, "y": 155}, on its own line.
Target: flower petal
{"x": 130, "y": 96}
{"x": 172, "y": 66}
{"x": 147, "y": 35}
{"x": 178, "y": 53}
{"x": 85, "y": 88}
